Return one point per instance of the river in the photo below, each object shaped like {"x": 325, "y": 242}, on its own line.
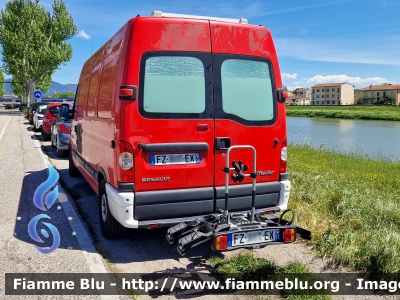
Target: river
{"x": 375, "y": 139}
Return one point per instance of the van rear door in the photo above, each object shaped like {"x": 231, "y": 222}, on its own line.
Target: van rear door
{"x": 246, "y": 74}
{"x": 174, "y": 122}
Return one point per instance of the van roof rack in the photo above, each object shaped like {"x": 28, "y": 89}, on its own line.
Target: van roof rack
{"x": 158, "y": 13}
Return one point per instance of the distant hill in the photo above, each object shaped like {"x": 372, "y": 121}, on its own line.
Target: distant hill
{"x": 55, "y": 87}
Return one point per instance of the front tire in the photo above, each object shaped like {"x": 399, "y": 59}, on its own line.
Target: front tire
{"x": 110, "y": 227}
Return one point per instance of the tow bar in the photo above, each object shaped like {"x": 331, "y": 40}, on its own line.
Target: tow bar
{"x": 230, "y": 231}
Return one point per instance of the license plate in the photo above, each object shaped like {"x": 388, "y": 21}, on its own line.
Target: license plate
{"x": 253, "y": 237}
{"x": 174, "y": 159}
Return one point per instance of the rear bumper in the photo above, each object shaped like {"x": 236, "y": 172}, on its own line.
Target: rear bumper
{"x": 167, "y": 208}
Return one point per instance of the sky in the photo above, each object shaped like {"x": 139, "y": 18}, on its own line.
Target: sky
{"x": 355, "y": 41}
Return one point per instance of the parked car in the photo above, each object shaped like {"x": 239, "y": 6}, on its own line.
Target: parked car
{"x": 49, "y": 119}
{"x": 32, "y": 109}
{"x": 9, "y": 106}
{"x": 61, "y": 129}
{"x": 154, "y": 150}
{"x": 38, "y": 117}
{"x": 22, "y": 106}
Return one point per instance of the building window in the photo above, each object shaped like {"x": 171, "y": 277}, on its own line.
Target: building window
{"x": 323, "y": 102}
{"x": 333, "y": 102}
{"x": 338, "y": 90}
{"x": 317, "y": 90}
{"x": 317, "y": 96}
{"x": 317, "y": 102}
{"x": 377, "y": 93}
{"x": 313, "y": 103}
{"x": 392, "y": 94}
{"x": 313, "y": 91}
{"x": 327, "y": 90}
{"x": 327, "y": 96}
{"x": 322, "y": 96}
{"x": 327, "y": 102}
{"x": 322, "y": 89}
{"x": 333, "y": 89}
{"x": 366, "y": 94}
{"x": 372, "y": 94}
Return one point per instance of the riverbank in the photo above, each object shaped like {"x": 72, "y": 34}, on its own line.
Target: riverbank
{"x": 390, "y": 113}
{"x": 350, "y": 204}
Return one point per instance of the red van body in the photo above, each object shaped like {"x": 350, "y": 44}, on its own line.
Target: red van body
{"x": 157, "y": 107}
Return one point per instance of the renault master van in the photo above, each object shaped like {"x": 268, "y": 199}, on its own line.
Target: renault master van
{"x": 156, "y": 109}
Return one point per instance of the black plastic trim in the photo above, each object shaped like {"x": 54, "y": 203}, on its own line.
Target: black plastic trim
{"x": 168, "y": 196}
{"x": 85, "y": 165}
{"x": 169, "y": 147}
{"x": 283, "y": 176}
{"x": 126, "y": 187}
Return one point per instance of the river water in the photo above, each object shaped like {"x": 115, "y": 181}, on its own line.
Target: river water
{"x": 375, "y": 139}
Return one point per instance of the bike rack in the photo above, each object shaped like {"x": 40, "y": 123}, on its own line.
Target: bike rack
{"x": 191, "y": 234}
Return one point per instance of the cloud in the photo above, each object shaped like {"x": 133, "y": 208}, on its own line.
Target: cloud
{"x": 292, "y": 88}
{"x": 83, "y": 34}
{"x": 358, "y": 81}
{"x": 289, "y": 76}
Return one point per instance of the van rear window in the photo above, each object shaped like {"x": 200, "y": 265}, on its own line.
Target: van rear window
{"x": 175, "y": 85}
{"x": 54, "y": 111}
{"x": 247, "y": 89}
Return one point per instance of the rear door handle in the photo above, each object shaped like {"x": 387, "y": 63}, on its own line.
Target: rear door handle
{"x": 222, "y": 143}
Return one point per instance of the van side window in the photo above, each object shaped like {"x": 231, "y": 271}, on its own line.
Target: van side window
{"x": 174, "y": 84}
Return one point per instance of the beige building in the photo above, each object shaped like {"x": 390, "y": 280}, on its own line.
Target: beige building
{"x": 332, "y": 94}
{"x": 378, "y": 94}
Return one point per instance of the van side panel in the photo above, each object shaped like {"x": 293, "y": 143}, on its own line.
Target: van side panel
{"x": 97, "y": 112}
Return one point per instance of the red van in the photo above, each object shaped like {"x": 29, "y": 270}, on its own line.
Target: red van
{"x": 157, "y": 107}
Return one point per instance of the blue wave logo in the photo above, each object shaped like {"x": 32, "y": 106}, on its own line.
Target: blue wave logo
{"x": 44, "y": 199}
{"x": 40, "y": 192}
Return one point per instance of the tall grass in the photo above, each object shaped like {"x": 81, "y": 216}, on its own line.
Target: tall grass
{"x": 350, "y": 204}
{"x": 391, "y": 113}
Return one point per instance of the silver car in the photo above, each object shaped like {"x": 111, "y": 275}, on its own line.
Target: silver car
{"x": 60, "y": 131}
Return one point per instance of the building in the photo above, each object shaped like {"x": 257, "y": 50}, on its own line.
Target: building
{"x": 375, "y": 94}
{"x": 301, "y": 92}
{"x": 332, "y": 94}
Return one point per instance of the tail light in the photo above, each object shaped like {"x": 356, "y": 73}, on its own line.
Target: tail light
{"x": 282, "y": 166}
{"x": 64, "y": 129}
{"x": 40, "y": 118}
{"x": 221, "y": 242}
{"x": 289, "y": 235}
{"x": 125, "y": 159}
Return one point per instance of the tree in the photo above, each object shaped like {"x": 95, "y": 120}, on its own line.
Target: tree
{"x": 1, "y": 83}
{"x": 34, "y": 43}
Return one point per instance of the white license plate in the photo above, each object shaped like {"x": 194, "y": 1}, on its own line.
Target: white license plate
{"x": 174, "y": 159}
{"x": 253, "y": 237}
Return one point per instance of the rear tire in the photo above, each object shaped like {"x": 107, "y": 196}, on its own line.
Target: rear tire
{"x": 110, "y": 227}
{"x": 72, "y": 170}
{"x": 60, "y": 153}
{"x": 45, "y": 136}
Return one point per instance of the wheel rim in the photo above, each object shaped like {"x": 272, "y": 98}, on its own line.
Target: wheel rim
{"x": 104, "y": 207}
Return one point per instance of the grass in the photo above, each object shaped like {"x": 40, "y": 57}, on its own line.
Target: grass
{"x": 246, "y": 267}
{"x": 351, "y": 205}
{"x": 391, "y": 113}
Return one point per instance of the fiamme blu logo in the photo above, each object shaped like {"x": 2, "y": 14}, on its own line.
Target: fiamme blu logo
{"x": 44, "y": 197}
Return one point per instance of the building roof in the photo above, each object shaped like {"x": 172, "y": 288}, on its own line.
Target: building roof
{"x": 329, "y": 84}
{"x": 381, "y": 87}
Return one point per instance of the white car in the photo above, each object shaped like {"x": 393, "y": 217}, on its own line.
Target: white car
{"x": 38, "y": 117}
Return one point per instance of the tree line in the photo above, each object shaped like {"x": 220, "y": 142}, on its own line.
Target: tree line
{"x": 34, "y": 44}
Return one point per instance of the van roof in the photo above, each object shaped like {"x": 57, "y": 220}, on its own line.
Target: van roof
{"x": 158, "y": 13}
